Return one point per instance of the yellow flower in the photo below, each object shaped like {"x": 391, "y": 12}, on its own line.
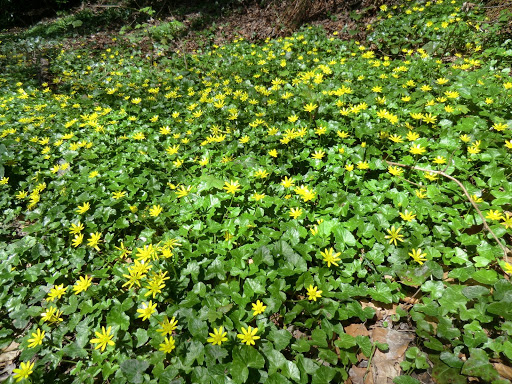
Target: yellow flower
{"x": 500, "y": 126}
{"x": 507, "y": 268}
{"x": 82, "y": 284}
{"x": 318, "y": 155}
{"x": 93, "y": 174}
{"x": 231, "y": 186}
{"x": 494, "y": 215}
{"x": 287, "y": 182}
{"x": 248, "y": 336}
{"x": 24, "y": 371}
{"x": 183, "y": 191}
{"x": 77, "y": 240}
{"x": 147, "y": 310}
{"x": 83, "y": 208}
{"x": 103, "y": 339}
{"x": 330, "y": 257}
{"x": 394, "y": 235}
{"x": 218, "y": 336}
{"x": 439, "y": 160}
{"x": 258, "y": 308}
{"x": 76, "y": 228}
{"x": 421, "y": 193}
{"x": 56, "y": 292}
{"x": 295, "y": 212}
{"x": 273, "y": 153}
{"x": 507, "y": 221}
{"x": 418, "y": 256}
{"x": 411, "y": 136}
{"x": 476, "y": 199}
{"x": 258, "y": 196}
{"x": 261, "y": 173}
{"x": 395, "y": 171}
{"x": 119, "y": 194}
{"x": 155, "y": 210}
{"x": 168, "y": 326}
{"x": 407, "y": 216}
{"x": 94, "y": 240}
{"x": 313, "y": 292}
{"x": 349, "y": 167}
{"x": 363, "y": 165}
{"x": 168, "y": 345}
{"x": 417, "y": 149}
{"x": 37, "y": 338}
{"x": 310, "y": 107}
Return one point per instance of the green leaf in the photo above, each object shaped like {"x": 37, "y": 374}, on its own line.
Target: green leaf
{"x": 328, "y": 355}
{"x": 318, "y": 338}
{"x": 280, "y": 337}
{"x": 248, "y": 356}
{"x": 142, "y": 337}
{"x": 119, "y": 318}
{"x": 478, "y": 365}
{"x": 484, "y": 276}
{"x": 365, "y": 344}
{"x": 343, "y": 236}
{"x": 323, "y": 375}
{"x": 345, "y": 341}
{"x": 133, "y": 370}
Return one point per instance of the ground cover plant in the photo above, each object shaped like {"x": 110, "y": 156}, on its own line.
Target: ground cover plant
{"x": 225, "y": 216}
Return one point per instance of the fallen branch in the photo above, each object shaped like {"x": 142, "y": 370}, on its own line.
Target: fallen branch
{"x": 484, "y": 222}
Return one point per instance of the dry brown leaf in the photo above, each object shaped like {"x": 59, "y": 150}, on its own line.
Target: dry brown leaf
{"x": 357, "y": 376}
{"x": 356, "y": 330}
{"x": 504, "y": 370}
{"x": 386, "y": 365}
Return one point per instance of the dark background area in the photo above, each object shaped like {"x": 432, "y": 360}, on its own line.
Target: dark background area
{"x": 24, "y": 13}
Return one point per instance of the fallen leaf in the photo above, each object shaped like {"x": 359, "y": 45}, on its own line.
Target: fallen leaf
{"x": 504, "y": 370}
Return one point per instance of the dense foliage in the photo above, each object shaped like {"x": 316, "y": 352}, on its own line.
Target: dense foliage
{"x": 222, "y": 217}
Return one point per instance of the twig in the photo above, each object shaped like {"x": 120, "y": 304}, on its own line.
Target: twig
{"x": 466, "y": 193}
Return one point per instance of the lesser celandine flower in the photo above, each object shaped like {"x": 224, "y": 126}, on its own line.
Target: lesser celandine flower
{"x": 83, "y": 208}
{"x": 248, "y": 336}
{"x": 418, "y": 256}
{"x": 313, "y": 293}
{"x": 82, "y": 284}
{"x": 168, "y": 345}
{"x": 155, "y": 210}
{"x": 231, "y": 186}
{"x": 394, "y": 236}
{"x": 295, "y": 212}
{"x": 94, "y": 240}
{"x": 37, "y": 338}
{"x": 24, "y": 371}
{"x": 330, "y": 257}
{"x": 103, "y": 339}
{"x": 218, "y": 336}
{"x": 147, "y": 310}
{"x": 258, "y": 307}
{"x": 407, "y": 215}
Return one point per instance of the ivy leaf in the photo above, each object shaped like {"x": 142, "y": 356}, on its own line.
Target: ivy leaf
{"x": 343, "y": 236}
{"x": 280, "y": 337}
{"x": 484, "y": 276}
{"x": 478, "y": 365}
{"x": 365, "y": 344}
{"x": 133, "y": 370}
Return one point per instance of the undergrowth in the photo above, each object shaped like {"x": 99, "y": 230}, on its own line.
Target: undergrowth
{"x": 224, "y": 216}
